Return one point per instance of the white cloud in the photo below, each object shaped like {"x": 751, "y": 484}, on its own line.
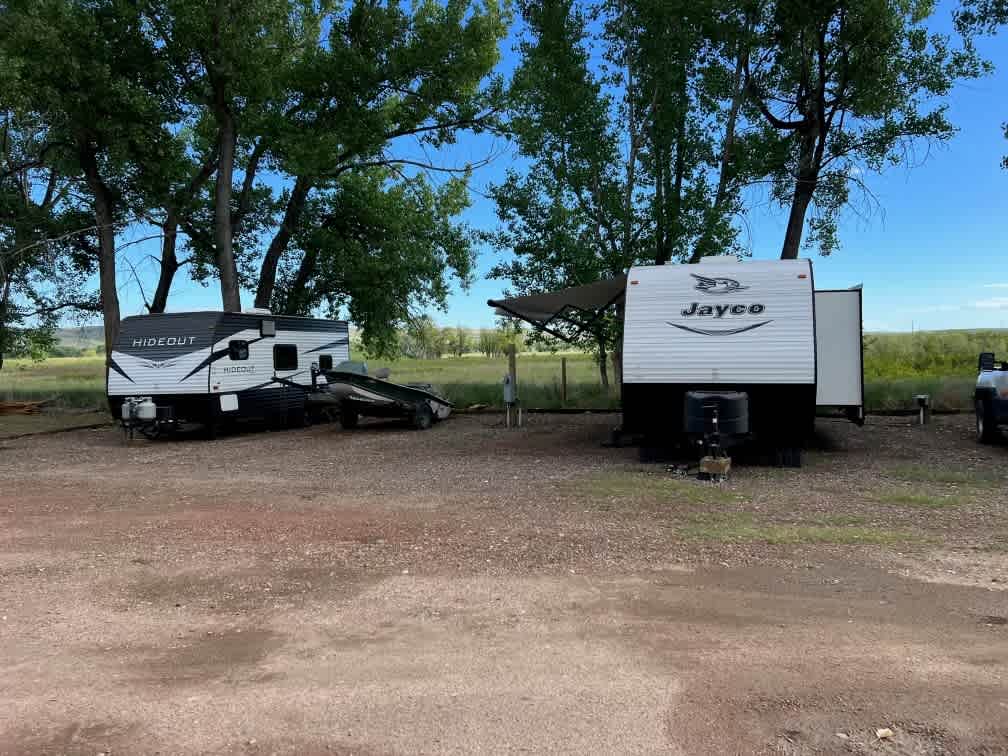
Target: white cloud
{"x": 994, "y": 303}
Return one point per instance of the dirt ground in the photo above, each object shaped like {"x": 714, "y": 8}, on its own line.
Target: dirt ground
{"x": 472, "y": 589}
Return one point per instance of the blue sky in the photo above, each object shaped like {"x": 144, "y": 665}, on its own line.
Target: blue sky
{"x": 935, "y": 255}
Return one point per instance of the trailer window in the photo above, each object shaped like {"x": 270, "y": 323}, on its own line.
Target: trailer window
{"x": 325, "y": 362}
{"x": 238, "y": 349}
{"x": 285, "y": 357}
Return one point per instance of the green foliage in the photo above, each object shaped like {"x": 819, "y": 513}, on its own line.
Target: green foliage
{"x": 847, "y": 86}
{"x": 378, "y": 251}
{"x": 929, "y": 354}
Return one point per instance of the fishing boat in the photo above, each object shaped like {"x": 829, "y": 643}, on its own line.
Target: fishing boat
{"x": 351, "y": 392}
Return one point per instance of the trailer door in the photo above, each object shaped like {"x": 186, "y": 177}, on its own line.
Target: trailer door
{"x": 839, "y": 358}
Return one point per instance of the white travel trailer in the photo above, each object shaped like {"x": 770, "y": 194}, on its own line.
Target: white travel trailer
{"x": 753, "y": 338}
{"x": 209, "y": 367}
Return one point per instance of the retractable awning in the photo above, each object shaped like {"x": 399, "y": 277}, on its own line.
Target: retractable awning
{"x": 545, "y": 310}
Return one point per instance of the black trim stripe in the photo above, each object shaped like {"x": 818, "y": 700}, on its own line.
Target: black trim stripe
{"x": 113, "y": 365}
{"x": 711, "y": 332}
{"x": 338, "y": 342}
{"x": 213, "y": 357}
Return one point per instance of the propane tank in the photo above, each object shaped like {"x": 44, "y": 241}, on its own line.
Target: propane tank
{"x": 127, "y": 409}
{"x": 146, "y": 410}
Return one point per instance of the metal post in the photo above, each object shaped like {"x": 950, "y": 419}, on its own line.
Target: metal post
{"x": 512, "y": 354}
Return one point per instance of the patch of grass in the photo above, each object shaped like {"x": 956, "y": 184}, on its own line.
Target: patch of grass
{"x": 475, "y": 379}
{"x": 79, "y": 382}
{"x": 897, "y": 394}
{"x": 71, "y": 382}
{"x": 920, "y": 473}
{"x": 743, "y": 528}
{"x": 923, "y": 501}
{"x": 650, "y": 487}
{"x": 16, "y": 425}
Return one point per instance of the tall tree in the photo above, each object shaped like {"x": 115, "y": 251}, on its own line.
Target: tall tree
{"x": 377, "y": 250}
{"x": 44, "y": 258}
{"x": 335, "y": 89}
{"x": 626, "y": 114}
{"x": 230, "y": 58}
{"x": 87, "y": 70}
{"x": 847, "y": 85}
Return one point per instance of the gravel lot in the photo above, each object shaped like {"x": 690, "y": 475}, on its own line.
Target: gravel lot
{"x": 474, "y": 589}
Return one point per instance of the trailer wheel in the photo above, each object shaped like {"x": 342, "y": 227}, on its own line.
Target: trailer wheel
{"x": 423, "y": 416}
{"x": 348, "y": 418}
{"x": 986, "y": 428}
{"x": 787, "y": 456}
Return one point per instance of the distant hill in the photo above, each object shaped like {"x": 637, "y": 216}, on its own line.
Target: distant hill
{"x": 82, "y": 337}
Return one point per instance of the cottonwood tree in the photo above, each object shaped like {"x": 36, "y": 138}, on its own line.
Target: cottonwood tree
{"x": 92, "y": 77}
{"x": 378, "y": 250}
{"x": 845, "y": 86}
{"x": 630, "y": 134}
{"x": 44, "y": 258}
{"x": 334, "y": 90}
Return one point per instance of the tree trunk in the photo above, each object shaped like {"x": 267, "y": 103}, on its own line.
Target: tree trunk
{"x": 297, "y": 301}
{"x": 169, "y": 264}
{"x": 603, "y": 359}
{"x": 674, "y": 192}
{"x": 268, "y": 271}
{"x": 805, "y": 184}
{"x": 703, "y": 246}
{"x": 226, "y": 266}
{"x": 660, "y": 166}
{"x": 4, "y": 299}
{"x": 104, "y": 219}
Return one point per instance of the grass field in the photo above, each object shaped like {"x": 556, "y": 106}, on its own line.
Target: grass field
{"x": 897, "y": 367}
{"x": 78, "y": 382}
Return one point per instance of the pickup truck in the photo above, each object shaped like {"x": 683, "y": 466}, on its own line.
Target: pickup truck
{"x": 991, "y": 397}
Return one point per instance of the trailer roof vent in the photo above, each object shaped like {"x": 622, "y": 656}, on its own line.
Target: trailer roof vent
{"x": 719, "y": 259}
{"x": 257, "y": 311}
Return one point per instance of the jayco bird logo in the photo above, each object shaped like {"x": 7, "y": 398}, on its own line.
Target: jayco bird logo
{"x": 720, "y": 285}
{"x": 717, "y": 285}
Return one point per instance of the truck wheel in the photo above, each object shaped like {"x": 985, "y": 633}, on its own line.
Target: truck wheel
{"x": 348, "y": 418}
{"x": 986, "y": 429}
{"x": 423, "y": 417}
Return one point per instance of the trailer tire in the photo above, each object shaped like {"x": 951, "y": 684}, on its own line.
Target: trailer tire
{"x": 986, "y": 428}
{"x": 787, "y": 456}
{"x": 423, "y": 416}
{"x": 349, "y": 418}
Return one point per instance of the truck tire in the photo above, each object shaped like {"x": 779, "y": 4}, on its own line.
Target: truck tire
{"x": 423, "y": 416}
{"x": 986, "y": 427}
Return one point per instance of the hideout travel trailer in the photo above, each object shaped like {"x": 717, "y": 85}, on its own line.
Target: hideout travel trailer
{"x": 214, "y": 367}
{"x": 750, "y": 348}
